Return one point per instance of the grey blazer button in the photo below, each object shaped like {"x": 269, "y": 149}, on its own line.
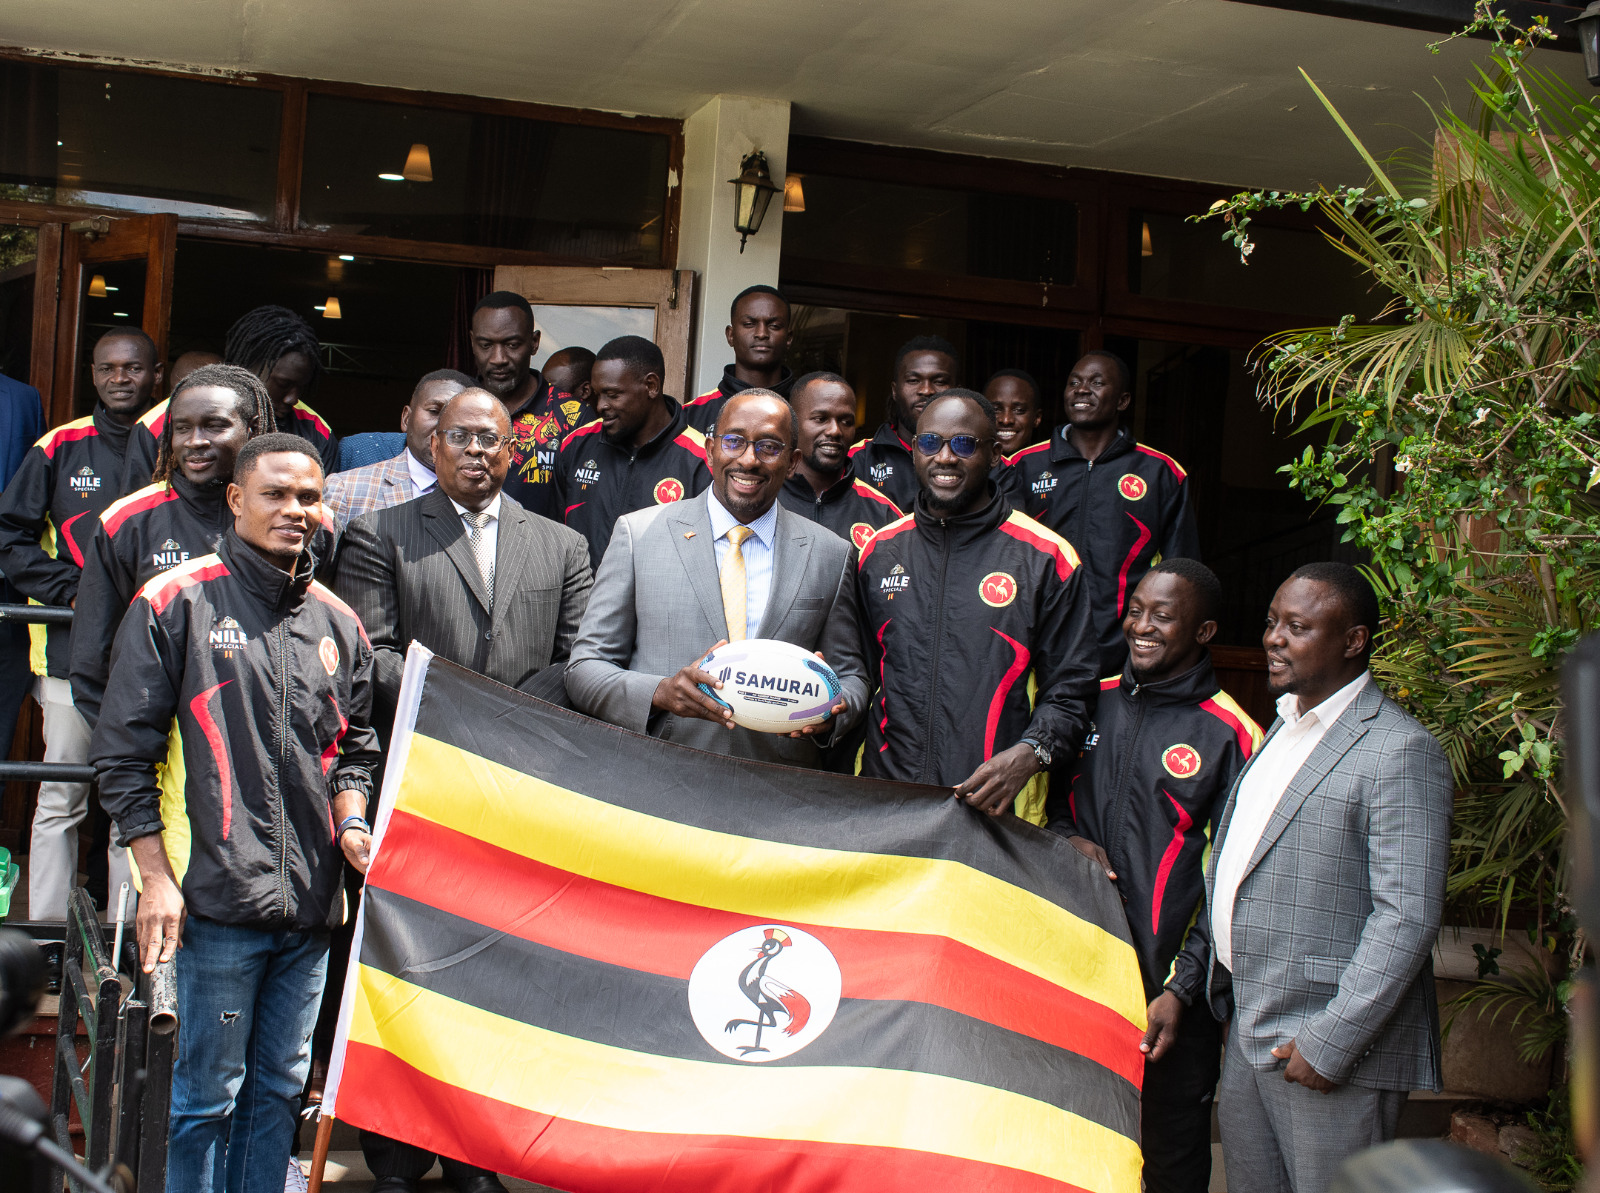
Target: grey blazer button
{"x": 488, "y": 635}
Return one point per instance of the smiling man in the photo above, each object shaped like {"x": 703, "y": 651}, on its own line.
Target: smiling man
{"x": 758, "y": 333}
{"x": 48, "y": 517}
{"x": 214, "y": 412}
{"x": 1325, "y": 889}
{"x": 977, "y": 624}
{"x": 1018, "y": 409}
{"x": 640, "y": 452}
{"x": 258, "y": 680}
{"x": 924, "y": 366}
{"x": 729, "y": 564}
{"x": 1122, "y": 503}
{"x": 1143, "y": 802}
{"x": 822, "y": 486}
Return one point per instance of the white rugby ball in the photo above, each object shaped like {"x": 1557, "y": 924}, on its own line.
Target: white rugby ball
{"x": 771, "y": 686}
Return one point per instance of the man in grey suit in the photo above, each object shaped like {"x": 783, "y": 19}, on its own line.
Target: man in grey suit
{"x": 681, "y": 578}
{"x": 478, "y": 580}
{"x": 1325, "y": 890}
{"x": 410, "y": 474}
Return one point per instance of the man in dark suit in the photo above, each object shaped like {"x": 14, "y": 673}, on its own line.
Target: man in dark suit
{"x": 680, "y": 578}
{"x": 478, "y": 580}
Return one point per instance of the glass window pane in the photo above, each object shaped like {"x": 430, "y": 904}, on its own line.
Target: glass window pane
{"x": 19, "y": 248}
{"x": 859, "y": 222}
{"x": 501, "y": 181}
{"x": 587, "y": 327}
{"x": 1290, "y": 270}
{"x": 138, "y": 142}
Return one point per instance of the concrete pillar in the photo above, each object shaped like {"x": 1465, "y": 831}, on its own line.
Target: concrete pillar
{"x": 715, "y": 139}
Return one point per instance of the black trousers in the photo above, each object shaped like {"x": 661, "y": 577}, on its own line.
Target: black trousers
{"x": 1175, "y": 1110}
{"x": 390, "y": 1157}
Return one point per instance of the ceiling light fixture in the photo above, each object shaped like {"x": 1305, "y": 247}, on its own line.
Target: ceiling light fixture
{"x": 392, "y": 177}
{"x": 119, "y": 314}
{"x": 794, "y": 194}
{"x": 331, "y": 310}
{"x": 1146, "y": 249}
{"x": 97, "y": 286}
{"x": 419, "y": 165}
{"x": 754, "y": 189}
{"x": 346, "y": 257}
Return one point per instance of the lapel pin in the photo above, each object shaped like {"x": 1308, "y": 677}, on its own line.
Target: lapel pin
{"x": 688, "y": 534}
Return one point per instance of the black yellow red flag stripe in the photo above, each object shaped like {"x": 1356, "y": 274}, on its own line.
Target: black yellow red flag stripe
{"x": 604, "y": 962}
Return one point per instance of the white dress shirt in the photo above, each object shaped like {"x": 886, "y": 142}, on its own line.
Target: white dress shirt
{"x": 1263, "y": 785}
{"x": 423, "y": 479}
{"x": 491, "y": 529}
{"x": 757, "y": 552}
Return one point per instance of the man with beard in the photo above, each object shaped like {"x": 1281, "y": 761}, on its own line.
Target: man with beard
{"x": 1325, "y": 889}
{"x": 970, "y": 608}
{"x": 822, "y": 486}
{"x": 213, "y": 413}
{"x": 682, "y": 579}
{"x": 1124, "y": 504}
{"x": 758, "y": 333}
{"x": 504, "y": 341}
{"x": 1143, "y": 804}
{"x": 48, "y": 516}
{"x": 639, "y": 453}
{"x": 924, "y": 366}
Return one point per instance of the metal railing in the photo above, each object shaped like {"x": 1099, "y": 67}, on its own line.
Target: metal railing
{"x": 41, "y": 772}
{"x": 123, "y": 1092}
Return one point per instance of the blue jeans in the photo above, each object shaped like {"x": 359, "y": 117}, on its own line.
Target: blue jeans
{"x": 247, "y": 1004}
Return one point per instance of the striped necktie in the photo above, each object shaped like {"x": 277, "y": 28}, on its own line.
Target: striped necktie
{"x": 733, "y": 583}
{"x": 480, "y": 549}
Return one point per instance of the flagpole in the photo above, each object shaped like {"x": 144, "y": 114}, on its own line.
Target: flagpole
{"x": 319, "y": 1152}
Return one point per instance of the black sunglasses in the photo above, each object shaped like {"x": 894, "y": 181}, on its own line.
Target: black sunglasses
{"x": 767, "y": 450}
{"x": 964, "y": 446}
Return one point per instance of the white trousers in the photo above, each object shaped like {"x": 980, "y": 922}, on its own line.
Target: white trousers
{"x": 53, "y": 848}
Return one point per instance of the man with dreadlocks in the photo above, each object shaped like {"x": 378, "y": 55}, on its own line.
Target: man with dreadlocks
{"x": 212, "y": 413}
{"x": 280, "y": 348}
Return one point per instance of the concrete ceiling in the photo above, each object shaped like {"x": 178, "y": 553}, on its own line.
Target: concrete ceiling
{"x": 1197, "y": 89}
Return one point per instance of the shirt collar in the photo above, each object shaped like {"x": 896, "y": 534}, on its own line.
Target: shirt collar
{"x": 1328, "y": 711}
{"x": 764, "y": 527}
{"x": 492, "y": 509}
{"x": 421, "y": 475}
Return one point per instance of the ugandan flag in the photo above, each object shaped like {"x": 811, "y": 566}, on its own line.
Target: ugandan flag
{"x": 611, "y": 964}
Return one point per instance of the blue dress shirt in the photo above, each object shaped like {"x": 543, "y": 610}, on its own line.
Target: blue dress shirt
{"x": 757, "y": 551}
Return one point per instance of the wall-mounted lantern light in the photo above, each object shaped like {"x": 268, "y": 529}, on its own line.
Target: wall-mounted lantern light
{"x": 755, "y": 189}
{"x": 1588, "y": 23}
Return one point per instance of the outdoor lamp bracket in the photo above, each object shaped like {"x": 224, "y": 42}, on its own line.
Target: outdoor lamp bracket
{"x": 754, "y": 189}
{"x": 1588, "y": 23}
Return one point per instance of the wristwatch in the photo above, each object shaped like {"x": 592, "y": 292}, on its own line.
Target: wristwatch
{"x": 1039, "y": 752}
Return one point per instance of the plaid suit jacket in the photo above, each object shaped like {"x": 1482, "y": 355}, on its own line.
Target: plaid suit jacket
{"x": 1336, "y": 917}
{"x": 372, "y": 487}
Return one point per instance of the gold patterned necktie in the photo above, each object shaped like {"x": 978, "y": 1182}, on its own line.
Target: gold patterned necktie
{"x": 733, "y": 583}
{"x": 476, "y": 524}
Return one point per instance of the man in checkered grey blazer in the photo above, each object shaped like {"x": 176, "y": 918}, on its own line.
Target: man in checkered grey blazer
{"x": 1324, "y": 891}
{"x": 410, "y": 474}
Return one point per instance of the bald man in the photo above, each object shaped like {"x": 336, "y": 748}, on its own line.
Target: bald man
{"x": 730, "y": 563}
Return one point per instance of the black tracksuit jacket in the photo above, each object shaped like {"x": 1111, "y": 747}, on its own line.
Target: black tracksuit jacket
{"x": 978, "y": 629}
{"x": 238, "y": 704}
{"x": 847, "y": 507}
{"x": 144, "y": 534}
{"x": 597, "y": 481}
{"x": 1148, "y": 788}
{"x": 49, "y": 514}
{"x": 703, "y": 412}
{"x": 145, "y": 441}
{"x": 884, "y": 463}
{"x": 1122, "y": 511}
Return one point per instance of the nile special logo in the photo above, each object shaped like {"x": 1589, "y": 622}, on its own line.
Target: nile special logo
{"x": 588, "y": 474}
{"x": 169, "y": 555}
{"x": 764, "y": 992}
{"x": 1132, "y": 486}
{"x": 1182, "y": 762}
{"x": 668, "y": 490}
{"x": 998, "y": 589}
{"x": 84, "y": 481}
{"x": 1045, "y": 484}
{"x": 859, "y": 534}
{"x": 880, "y": 473}
{"x": 227, "y": 637}
{"x": 897, "y": 581}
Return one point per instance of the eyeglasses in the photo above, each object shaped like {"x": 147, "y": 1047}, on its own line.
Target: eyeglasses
{"x": 488, "y": 440}
{"x": 768, "y": 451}
{"x": 964, "y": 446}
